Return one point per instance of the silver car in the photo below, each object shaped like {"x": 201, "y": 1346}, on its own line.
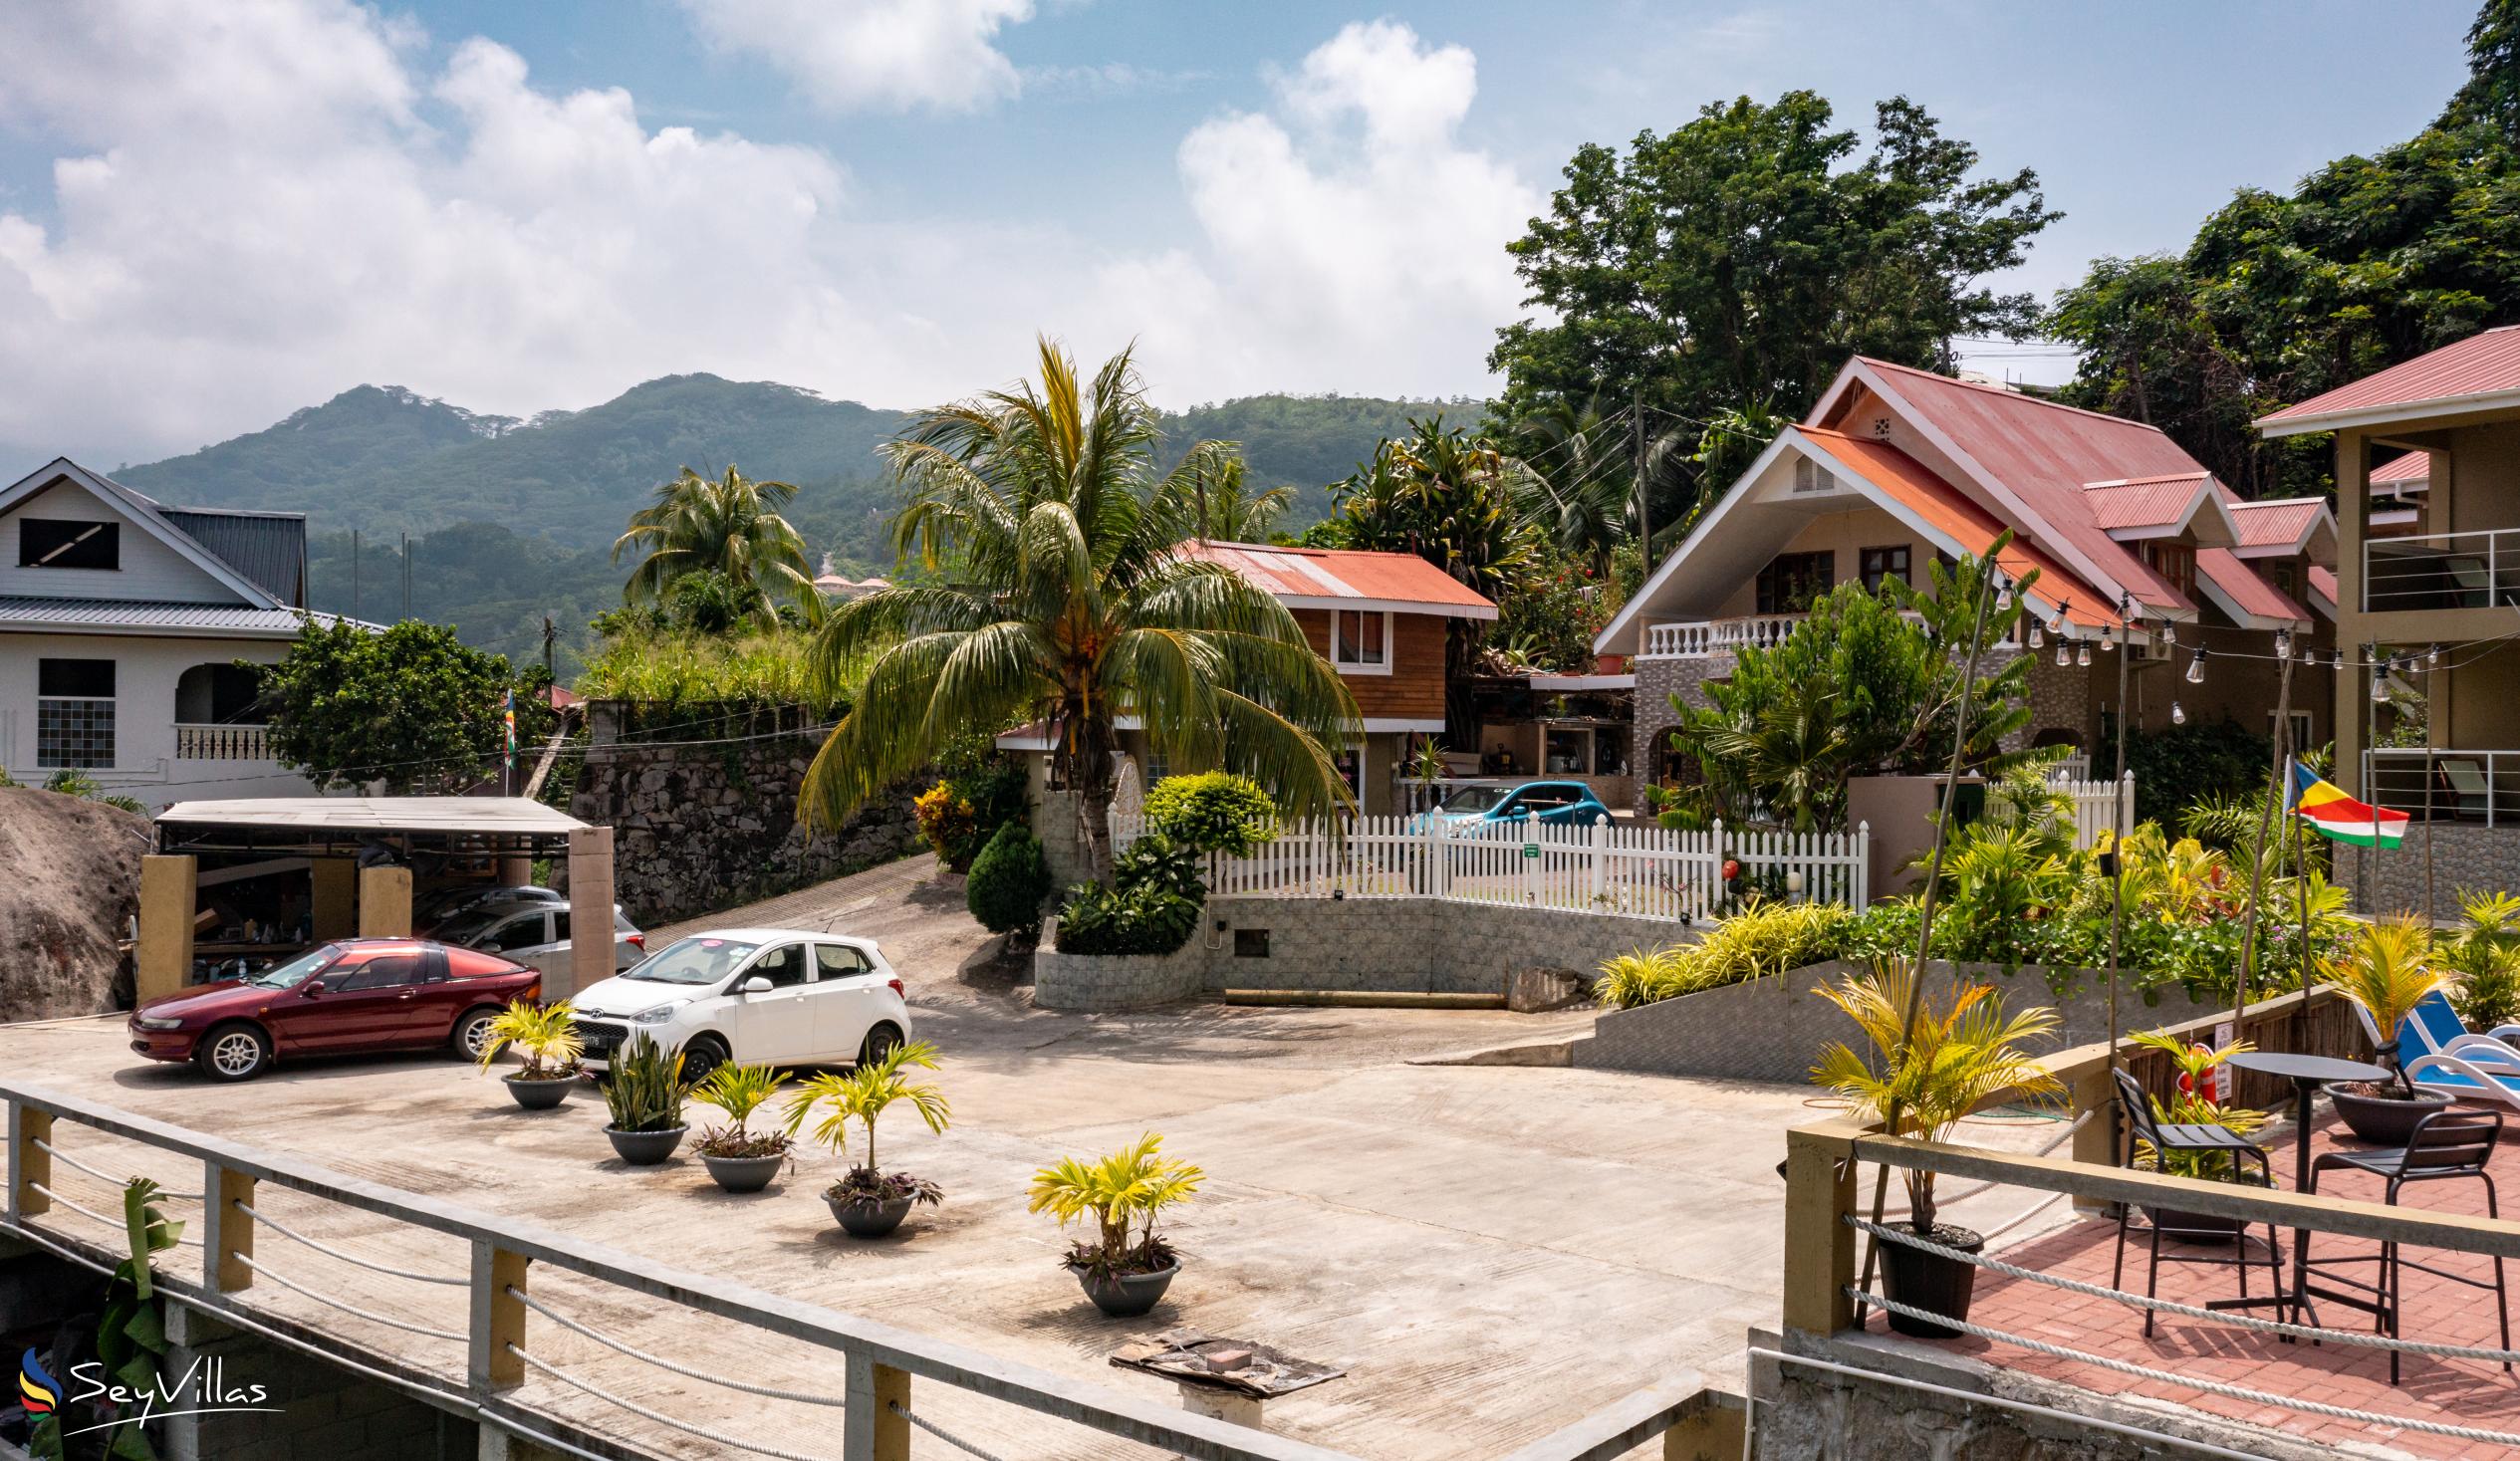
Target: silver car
{"x": 538, "y": 934}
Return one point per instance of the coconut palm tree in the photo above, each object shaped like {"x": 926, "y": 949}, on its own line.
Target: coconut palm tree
{"x": 1224, "y": 509}
{"x": 1070, "y": 602}
{"x": 729, "y": 526}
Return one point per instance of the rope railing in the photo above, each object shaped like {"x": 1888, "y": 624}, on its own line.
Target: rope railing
{"x": 2188, "y": 1381}
{"x": 940, "y": 1433}
{"x": 90, "y": 1213}
{"x": 766, "y": 1391}
{"x": 259, "y": 1216}
{"x": 634, "y": 1408}
{"x": 66, "y": 1160}
{"x": 353, "y": 1310}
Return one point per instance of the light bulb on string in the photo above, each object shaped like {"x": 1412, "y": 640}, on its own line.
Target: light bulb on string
{"x": 2283, "y": 645}
{"x": 2379, "y": 687}
{"x": 2107, "y": 639}
{"x": 2003, "y": 594}
{"x": 2433, "y": 658}
{"x": 2197, "y": 668}
{"x": 2038, "y": 637}
{"x": 2082, "y": 654}
{"x": 2177, "y": 716}
{"x": 2064, "y": 655}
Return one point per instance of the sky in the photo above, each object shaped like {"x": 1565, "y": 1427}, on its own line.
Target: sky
{"x": 212, "y": 215}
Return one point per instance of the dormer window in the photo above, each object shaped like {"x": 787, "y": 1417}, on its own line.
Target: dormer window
{"x": 62, "y": 544}
{"x": 1360, "y": 641}
{"x": 2176, "y": 562}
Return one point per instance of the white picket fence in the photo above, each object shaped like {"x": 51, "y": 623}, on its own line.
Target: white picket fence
{"x": 2098, "y": 806}
{"x": 1645, "y": 871}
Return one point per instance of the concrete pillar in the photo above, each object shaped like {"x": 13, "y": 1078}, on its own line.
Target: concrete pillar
{"x": 498, "y": 1318}
{"x": 590, "y": 913}
{"x": 384, "y": 903}
{"x": 30, "y": 1165}
{"x": 516, "y": 872}
{"x": 1712, "y": 1434}
{"x": 874, "y": 1426}
{"x": 227, "y": 1244}
{"x": 335, "y": 912}
{"x": 2095, "y": 1143}
{"x": 170, "y": 884}
{"x": 1819, "y": 1246}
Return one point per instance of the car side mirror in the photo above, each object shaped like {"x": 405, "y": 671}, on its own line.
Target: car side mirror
{"x": 755, "y": 985}
{"x": 311, "y": 989}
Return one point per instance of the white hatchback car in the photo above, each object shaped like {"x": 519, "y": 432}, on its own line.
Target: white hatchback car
{"x": 760, "y": 996}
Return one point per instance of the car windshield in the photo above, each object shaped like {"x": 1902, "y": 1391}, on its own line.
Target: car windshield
{"x": 297, "y": 970}
{"x": 1476, "y": 799}
{"x": 696, "y": 960}
{"x": 465, "y": 929}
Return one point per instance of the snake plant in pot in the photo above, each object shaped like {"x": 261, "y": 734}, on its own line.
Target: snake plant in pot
{"x": 547, "y": 1037}
{"x": 1126, "y": 1265}
{"x": 643, "y": 1093}
{"x": 869, "y": 1202}
{"x": 739, "y": 1159}
{"x": 2390, "y": 971}
{"x": 1962, "y": 1052}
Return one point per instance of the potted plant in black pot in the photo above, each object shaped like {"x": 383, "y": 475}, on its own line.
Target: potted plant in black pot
{"x": 740, "y": 1159}
{"x": 2194, "y": 1105}
{"x": 1961, "y": 1053}
{"x": 643, "y": 1093}
{"x": 2389, "y": 973}
{"x": 1126, "y": 1265}
{"x": 869, "y": 1202}
{"x": 547, "y": 1037}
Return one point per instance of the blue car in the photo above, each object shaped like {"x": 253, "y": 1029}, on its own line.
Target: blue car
{"x": 1557, "y": 802}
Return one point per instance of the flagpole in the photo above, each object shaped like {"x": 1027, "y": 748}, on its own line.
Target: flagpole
{"x": 2266, "y": 821}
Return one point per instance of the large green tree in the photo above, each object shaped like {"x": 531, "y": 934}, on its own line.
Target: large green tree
{"x": 412, "y": 708}
{"x": 1738, "y": 259}
{"x": 1063, "y": 597}
{"x": 729, "y": 527}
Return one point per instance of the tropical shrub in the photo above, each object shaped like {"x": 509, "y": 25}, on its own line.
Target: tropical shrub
{"x": 944, "y": 820}
{"x": 1009, "y": 880}
{"x": 546, "y": 1035}
{"x": 1118, "y": 1196}
{"x": 1762, "y": 939}
{"x": 862, "y": 1094}
{"x": 1211, "y": 812}
{"x": 1143, "y": 920}
{"x": 2387, "y": 973}
{"x": 667, "y": 673}
{"x": 645, "y": 1088}
{"x": 739, "y": 1091}
{"x": 2194, "y": 1103}
{"x": 2484, "y": 955}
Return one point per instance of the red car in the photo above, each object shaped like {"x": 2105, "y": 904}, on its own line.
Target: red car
{"x": 346, "y": 998}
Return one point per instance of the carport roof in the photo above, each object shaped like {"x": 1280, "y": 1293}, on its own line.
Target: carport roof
{"x": 476, "y": 816}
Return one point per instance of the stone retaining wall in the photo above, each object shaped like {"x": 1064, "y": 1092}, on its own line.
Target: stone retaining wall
{"x": 2391, "y": 879}
{"x": 1379, "y": 945}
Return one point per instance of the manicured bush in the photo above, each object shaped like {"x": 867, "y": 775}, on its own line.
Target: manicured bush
{"x": 1151, "y": 907}
{"x": 1212, "y": 812}
{"x": 1009, "y": 880}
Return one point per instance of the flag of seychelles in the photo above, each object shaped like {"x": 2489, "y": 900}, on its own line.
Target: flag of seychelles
{"x": 2338, "y": 818}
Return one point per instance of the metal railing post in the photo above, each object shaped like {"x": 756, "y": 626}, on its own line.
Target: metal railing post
{"x": 1819, "y": 1246}
{"x": 29, "y": 1164}
{"x": 498, "y": 1318}
{"x": 871, "y": 1428}
{"x": 227, "y": 1239}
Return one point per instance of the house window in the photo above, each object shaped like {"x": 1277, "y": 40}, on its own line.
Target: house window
{"x": 1360, "y": 641}
{"x": 54, "y": 543}
{"x": 2301, "y": 729}
{"x": 1791, "y": 581}
{"x": 2281, "y": 574}
{"x": 1883, "y": 563}
{"x": 2176, "y": 562}
{"x": 74, "y": 712}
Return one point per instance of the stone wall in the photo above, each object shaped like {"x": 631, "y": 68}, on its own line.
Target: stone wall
{"x": 2391, "y": 879}
{"x": 321, "y": 1410}
{"x": 1377, "y": 946}
{"x": 1658, "y": 680}
{"x": 699, "y": 828}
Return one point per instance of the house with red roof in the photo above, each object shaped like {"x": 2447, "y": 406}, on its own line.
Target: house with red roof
{"x": 2428, "y": 473}
{"x": 2135, "y": 542}
{"x": 1379, "y": 619}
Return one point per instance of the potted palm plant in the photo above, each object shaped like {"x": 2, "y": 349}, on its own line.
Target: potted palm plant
{"x": 2194, "y": 1105}
{"x": 643, "y": 1093}
{"x": 1962, "y": 1053}
{"x": 867, "y": 1201}
{"x": 2389, "y": 973}
{"x": 547, "y": 1036}
{"x": 1126, "y": 1265}
{"x": 740, "y": 1159}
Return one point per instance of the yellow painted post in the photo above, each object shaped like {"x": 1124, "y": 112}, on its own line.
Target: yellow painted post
{"x": 2096, "y": 1142}
{"x": 498, "y": 1318}
{"x": 590, "y": 913}
{"x": 335, "y": 913}
{"x": 162, "y": 964}
{"x": 384, "y": 903}
{"x": 228, "y": 1241}
{"x": 1819, "y": 1246}
{"x": 875, "y": 1423}
{"x": 29, "y": 1163}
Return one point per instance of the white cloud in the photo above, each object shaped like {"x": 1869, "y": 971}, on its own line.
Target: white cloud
{"x": 889, "y": 55}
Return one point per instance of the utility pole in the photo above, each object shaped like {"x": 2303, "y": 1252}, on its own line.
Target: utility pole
{"x": 549, "y": 636}
{"x": 406, "y": 575}
{"x": 1637, "y": 469}
{"x": 353, "y": 573}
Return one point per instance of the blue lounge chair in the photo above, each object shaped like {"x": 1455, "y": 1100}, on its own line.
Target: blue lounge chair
{"x": 2441, "y": 1055}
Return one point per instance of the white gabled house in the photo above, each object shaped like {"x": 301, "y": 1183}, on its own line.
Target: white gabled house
{"x": 122, "y": 623}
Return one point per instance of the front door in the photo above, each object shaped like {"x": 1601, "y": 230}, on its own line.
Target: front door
{"x": 776, "y": 1025}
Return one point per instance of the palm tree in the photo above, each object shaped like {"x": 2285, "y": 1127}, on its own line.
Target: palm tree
{"x": 1224, "y": 509}
{"x": 1070, "y": 603}
{"x": 729, "y": 526}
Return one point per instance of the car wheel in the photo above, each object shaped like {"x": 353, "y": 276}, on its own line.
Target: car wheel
{"x": 234, "y": 1053}
{"x": 704, "y": 1054}
{"x": 472, "y": 1033}
{"x": 882, "y": 1041}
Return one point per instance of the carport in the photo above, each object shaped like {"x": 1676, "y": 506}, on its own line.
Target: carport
{"x": 361, "y": 856}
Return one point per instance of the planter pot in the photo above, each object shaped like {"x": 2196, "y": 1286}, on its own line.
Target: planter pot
{"x": 1930, "y": 1282}
{"x": 644, "y": 1149}
{"x": 541, "y": 1096}
{"x": 863, "y": 1219}
{"x": 1128, "y": 1295}
{"x": 743, "y": 1173}
{"x": 2388, "y": 1121}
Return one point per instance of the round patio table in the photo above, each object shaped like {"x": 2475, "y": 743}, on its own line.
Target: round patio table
{"x": 2307, "y": 1073}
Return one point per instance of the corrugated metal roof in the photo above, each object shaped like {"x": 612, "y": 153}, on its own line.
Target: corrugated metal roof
{"x": 2323, "y": 582}
{"x": 504, "y": 816}
{"x": 2240, "y": 583}
{"x": 2144, "y": 502}
{"x": 268, "y": 548}
{"x": 1347, "y": 573}
{"x": 93, "y": 615}
{"x": 2412, "y": 466}
{"x": 2267, "y": 524}
{"x": 2484, "y": 363}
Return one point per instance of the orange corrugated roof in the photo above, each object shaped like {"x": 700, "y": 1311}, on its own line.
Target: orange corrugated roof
{"x": 1345, "y": 573}
{"x": 2323, "y": 582}
{"x": 2412, "y": 466}
{"x": 2241, "y": 585}
{"x": 2143, "y": 502}
{"x": 2484, "y": 363}
{"x": 2266, "y": 523}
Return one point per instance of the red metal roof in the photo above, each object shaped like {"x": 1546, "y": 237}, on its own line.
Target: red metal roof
{"x": 1347, "y": 573}
{"x": 2484, "y": 363}
{"x": 2323, "y": 582}
{"x": 2144, "y": 502}
{"x": 2240, "y": 583}
{"x": 2412, "y": 466}
{"x": 2267, "y": 524}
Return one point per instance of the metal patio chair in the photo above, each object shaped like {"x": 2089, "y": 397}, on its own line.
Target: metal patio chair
{"x": 2165, "y": 1137}
{"x": 2453, "y": 1145}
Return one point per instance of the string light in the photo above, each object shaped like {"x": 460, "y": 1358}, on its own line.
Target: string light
{"x": 2433, "y": 658}
{"x": 2177, "y": 716}
{"x": 2108, "y": 639}
{"x": 2003, "y": 594}
{"x": 2082, "y": 654}
{"x": 2056, "y": 621}
{"x": 2379, "y": 687}
{"x": 2063, "y": 656}
{"x": 2283, "y": 644}
{"x": 2197, "y": 668}
{"x": 2038, "y": 637}
{"x": 2169, "y": 635}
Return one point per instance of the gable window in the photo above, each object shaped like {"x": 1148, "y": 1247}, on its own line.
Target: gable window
{"x": 1791, "y": 581}
{"x": 1883, "y": 563}
{"x": 2176, "y": 562}
{"x": 74, "y": 712}
{"x": 1360, "y": 641}
{"x": 56, "y": 543}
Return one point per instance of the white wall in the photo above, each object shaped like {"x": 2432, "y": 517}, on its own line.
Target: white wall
{"x": 151, "y": 572}
{"x": 144, "y": 677}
